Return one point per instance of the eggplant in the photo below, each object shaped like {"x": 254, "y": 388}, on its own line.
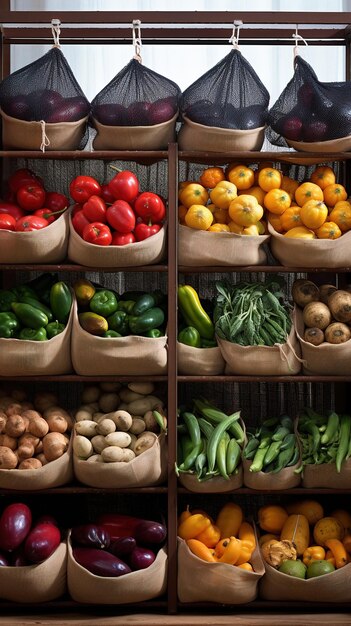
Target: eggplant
{"x": 149, "y": 532}
{"x": 100, "y": 563}
{"x": 41, "y": 542}
{"x": 15, "y": 524}
{"x": 90, "y": 535}
{"x": 4, "y": 562}
{"x": 123, "y": 546}
{"x": 141, "y": 558}
{"x": 18, "y": 559}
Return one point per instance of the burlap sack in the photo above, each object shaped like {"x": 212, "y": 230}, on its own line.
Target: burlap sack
{"x": 124, "y": 356}
{"x": 146, "y": 470}
{"x": 22, "y": 357}
{"x": 47, "y": 245}
{"x": 36, "y": 583}
{"x": 146, "y": 252}
{"x": 193, "y": 136}
{"x": 155, "y": 137}
{"x": 200, "y": 581}
{"x": 285, "y": 479}
{"x": 333, "y": 587}
{"x": 326, "y": 476}
{"x": 314, "y": 253}
{"x": 279, "y": 360}
{"x": 53, "y": 474}
{"x": 22, "y": 135}
{"x": 217, "y": 484}
{"x": 199, "y": 247}
{"x": 327, "y": 359}
{"x": 342, "y": 144}
{"x": 199, "y": 361}
{"x": 138, "y": 586}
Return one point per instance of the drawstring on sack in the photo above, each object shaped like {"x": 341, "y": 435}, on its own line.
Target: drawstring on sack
{"x": 137, "y": 40}
{"x": 55, "y": 29}
{"x": 297, "y": 38}
{"x": 45, "y": 141}
{"x": 234, "y": 39}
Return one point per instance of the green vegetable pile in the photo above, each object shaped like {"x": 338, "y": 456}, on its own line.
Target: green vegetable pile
{"x": 209, "y": 441}
{"x": 252, "y": 314}
{"x": 324, "y": 438}
{"x": 272, "y": 446}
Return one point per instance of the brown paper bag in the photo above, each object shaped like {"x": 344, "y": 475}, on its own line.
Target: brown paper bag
{"x": 138, "y": 586}
{"x": 48, "y": 245}
{"x": 333, "y": 587}
{"x": 193, "y": 136}
{"x": 146, "y": 470}
{"x": 285, "y": 479}
{"x": 199, "y": 361}
{"x": 327, "y": 359}
{"x": 278, "y": 360}
{"x": 314, "y": 253}
{"x": 326, "y": 476}
{"x": 22, "y": 357}
{"x": 146, "y": 252}
{"x": 124, "y": 356}
{"x": 217, "y": 484}
{"x": 155, "y": 137}
{"x": 199, "y": 581}
{"x": 201, "y": 247}
{"x": 36, "y": 583}
{"x": 22, "y": 135}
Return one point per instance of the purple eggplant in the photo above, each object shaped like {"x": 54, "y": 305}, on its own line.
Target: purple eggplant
{"x": 148, "y": 532}
{"x": 90, "y": 536}
{"x": 15, "y": 524}
{"x": 141, "y": 558}
{"x": 100, "y": 563}
{"x": 3, "y": 560}
{"x": 17, "y": 557}
{"x": 41, "y": 542}
{"x": 122, "y": 546}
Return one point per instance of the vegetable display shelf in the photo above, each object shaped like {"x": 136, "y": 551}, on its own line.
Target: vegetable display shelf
{"x": 168, "y": 610}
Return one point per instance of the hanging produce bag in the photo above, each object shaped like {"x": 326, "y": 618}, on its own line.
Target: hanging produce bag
{"x": 226, "y": 108}
{"x": 138, "y": 108}
{"x": 310, "y": 115}
{"x": 43, "y": 106}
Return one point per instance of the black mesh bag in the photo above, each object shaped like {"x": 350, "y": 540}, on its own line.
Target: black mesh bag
{"x": 44, "y": 90}
{"x": 136, "y": 96}
{"x": 308, "y": 110}
{"x": 229, "y": 95}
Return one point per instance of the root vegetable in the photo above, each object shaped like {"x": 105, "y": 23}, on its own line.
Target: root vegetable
{"x": 304, "y": 291}
{"x": 3, "y": 420}
{"x": 38, "y": 427}
{"x": 25, "y": 451}
{"x": 316, "y": 315}
{"x": 15, "y": 426}
{"x": 19, "y": 394}
{"x": 128, "y": 455}
{"x": 41, "y": 458}
{"x": 122, "y": 419}
{"x": 98, "y": 443}
{"x": 83, "y": 415}
{"x": 8, "y": 442}
{"x": 30, "y": 464}
{"x": 55, "y": 445}
{"x": 337, "y": 332}
{"x": 110, "y": 387}
{"x": 82, "y": 447}
{"x": 87, "y": 428}
{"x": 8, "y": 459}
{"x": 128, "y": 395}
{"x": 97, "y": 417}
{"x": 325, "y": 291}
{"x": 108, "y": 402}
{"x": 95, "y": 458}
{"x": 133, "y": 440}
{"x": 139, "y": 407}
{"x": 138, "y": 426}
{"x": 150, "y": 422}
{"x": 144, "y": 442}
{"x": 120, "y": 439}
{"x": 30, "y": 414}
{"x": 28, "y": 438}
{"x": 314, "y": 336}
{"x": 90, "y": 394}
{"x": 143, "y": 388}
{"x": 57, "y": 424}
{"x": 340, "y": 305}
{"x": 112, "y": 454}
{"x": 44, "y": 399}
{"x": 105, "y": 427}
{"x": 14, "y": 409}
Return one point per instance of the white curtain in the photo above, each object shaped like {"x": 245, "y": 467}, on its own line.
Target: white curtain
{"x": 94, "y": 66}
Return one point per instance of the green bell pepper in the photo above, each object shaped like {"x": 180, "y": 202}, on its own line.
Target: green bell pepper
{"x": 208, "y": 343}
{"x": 54, "y": 328}
{"x": 144, "y": 303}
{"x": 154, "y": 333}
{"x": 60, "y": 301}
{"x": 190, "y": 336}
{"x": 23, "y": 290}
{"x": 118, "y": 321}
{"x": 9, "y": 324}
{"x": 37, "y": 305}
{"x": 152, "y": 318}
{"x": 6, "y": 299}
{"x": 126, "y": 305}
{"x": 104, "y": 302}
{"x": 111, "y": 333}
{"x": 29, "y": 316}
{"x": 38, "y": 334}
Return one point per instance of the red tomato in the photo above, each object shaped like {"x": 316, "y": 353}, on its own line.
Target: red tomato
{"x": 82, "y": 187}
{"x": 97, "y": 233}
{"x": 30, "y": 222}
{"x": 150, "y": 207}
{"x": 12, "y": 209}
{"x": 94, "y": 209}
{"x": 106, "y": 194}
{"x": 79, "y": 221}
{"x": 121, "y": 216}
{"x": 7, "y": 222}
{"x": 31, "y": 197}
{"x": 55, "y": 201}
{"x": 46, "y": 214}
{"x": 22, "y": 177}
{"x": 124, "y": 186}
{"x": 144, "y": 231}
{"x": 76, "y": 207}
{"x": 121, "y": 239}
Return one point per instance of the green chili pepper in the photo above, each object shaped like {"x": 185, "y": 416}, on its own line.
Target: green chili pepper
{"x": 216, "y": 436}
{"x": 344, "y": 437}
{"x": 187, "y": 445}
{"x": 104, "y": 302}
{"x": 159, "y": 420}
{"x": 190, "y": 336}
{"x": 118, "y": 321}
{"x": 283, "y": 459}
{"x": 221, "y": 455}
{"x": 280, "y": 433}
{"x": 37, "y": 305}
{"x": 152, "y": 318}
{"x": 111, "y": 333}
{"x": 9, "y": 324}
{"x": 29, "y": 316}
{"x": 154, "y": 333}
{"x": 200, "y": 461}
{"x": 6, "y": 299}
{"x": 205, "y": 427}
{"x": 33, "y": 334}
{"x": 190, "y": 459}
{"x": 193, "y": 312}
{"x": 60, "y": 301}
{"x": 54, "y": 328}
{"x": 125, "y": 305}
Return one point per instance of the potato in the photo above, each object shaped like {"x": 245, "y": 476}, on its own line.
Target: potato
{"x": 316, "y": 315}
{"x": 120, "y": 439}
{"x": 30, "y": 414}
{"x": 8, "y": 459}
{"x": 55, "y": 445}
{"x": 25, "y": 451}
{"x": 5, "y": 402}
{"x": 139, "y": 407}
{"x": 41, "y": 458}
{"x": 38, "y": 427}
{"x": 44, "y": 399}
{"x": 337, "y": 332}
{"x": 83, "y": 414}
{"x": 110, "y": 387}
{"x": 19, "y": 394}
{"x": 3, "y": 420}
{"x": 95, "y": 458}
{"x": 15, "y": 426}
{"x": 339, "y": 303}
{"x": 304, "y": 291}
{"x": 91, "y": 393}
{"x": 8, "y": 442}
{"x": 57, "y": 423}
{"x": 144, "y": 442}
{"x": 87, "y": 428}
{"x": 138, "y": 426}
{"x": 82, "y": 447}
{"x": 98, "y": 443}
{"x": 108, "y": 402}
{"x": 150, "y": 422}
{"x": 314, "y": 336}
{"x": 28, "y": 438}
{"x": 105, "y": 427}
{"x": 27, "y": 406}
{"x": 59, "y": 411}
{"x": 14, "y": 409}
{"x": 128, "y": 455}
{"x": 122, "y": 419}
{"x": 127, "y": 395}
{"x": 112, "y": 454}
{"x": 30, "y": 464}
{"x": 38, "y": 448}
{"x": 133, "y": 440}
{"x": 98, "y": 416}
{"x": 143, "y": 388}
{"x": 325, "y": 291}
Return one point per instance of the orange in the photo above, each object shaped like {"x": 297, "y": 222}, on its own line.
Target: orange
{"x": 308, "y": 191}
{"x": 269, "y": 178}
{"x": 334, "y": 193}
{"x": 242, "y": 176}
{"x": 211, "y": 176}
{"x": 323, "y": 176}
{"x": 277, "y": 201}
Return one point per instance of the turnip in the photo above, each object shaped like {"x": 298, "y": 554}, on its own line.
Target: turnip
{"x": 314, "y": 336}
{"x": 339, "y": 303}
{"x": 325, "y": 291}
{"x": 316, "y": 315}
{"x": 304, "y": 291}
{"x": 337, "y": 332}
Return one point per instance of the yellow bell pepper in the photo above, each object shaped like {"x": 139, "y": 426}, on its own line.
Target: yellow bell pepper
{"x": 231, "y": 552}
{"x": 313, "y": 553}
{"x": 210, "y": 536}
{"x": 193, "y": 526}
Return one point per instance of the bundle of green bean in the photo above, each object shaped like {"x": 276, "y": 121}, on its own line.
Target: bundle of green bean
{"x": 324, "y": 438}
{"x": 209, "y": 441}
{"x": 272, "y": 446}
{"x": 252, "y": 314}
